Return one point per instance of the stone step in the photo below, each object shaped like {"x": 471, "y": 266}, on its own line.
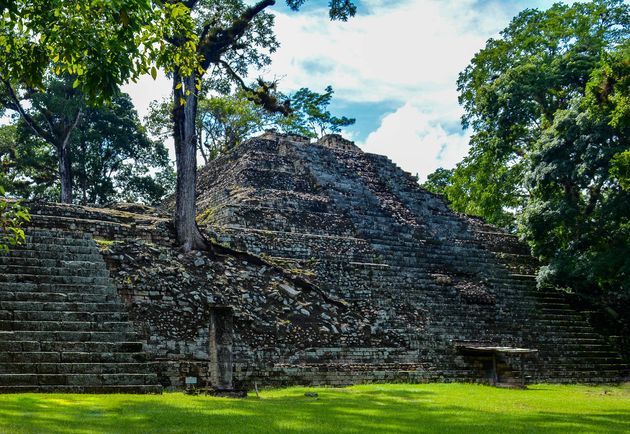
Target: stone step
{"x": 78, "y": 270}
{"x": 71, "y": 357}
{"x": 61, "y": 306}
{"x": 62, "y": 240}
{"x": 77, "y": 379}
{"x": 36, "y": 232}
{"x": 68, "y": 297}
{"x": 47, "y": 263}
{"x": 69, "y": 346}
{"x": 67, "y": 336}
{"x": 57, "y": 288}
{"x": 591, "y": 375}
{"x": 76, "y": 368}
{"x": 104, "y": 389}
{"x": 87, "y": 249}
{"x": 38, "y": 278}
{"x": 59, "y": 254}
{"x": 63, "y": 316}
{"x": 61, "y": 326}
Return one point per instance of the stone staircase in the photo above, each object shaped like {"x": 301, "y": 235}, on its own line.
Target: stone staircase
{"x": 62, "y": 325}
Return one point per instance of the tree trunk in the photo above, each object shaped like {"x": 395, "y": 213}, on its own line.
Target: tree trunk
{"x": 65, "y": 171}
{"x": 188, "y": 234}
{"x": 65, "y": 163}
{"x": 84, "y": 200}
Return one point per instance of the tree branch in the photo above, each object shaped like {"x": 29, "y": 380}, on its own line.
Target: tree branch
{"x": 25, "y": 116}
{"x": 235, "y": 76}
{"x": 218, "y": 42}
{"x": 69, "y": 128}
{"x": 262, "y": 95}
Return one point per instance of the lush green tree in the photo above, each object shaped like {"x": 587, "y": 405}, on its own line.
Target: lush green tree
{"x": 577, "y": 218}
{"x": 110, "y": 156}
{"x": 225, "y": 122}
{"x": 114, "y": 160}
{"x": 438, "y": 181}
{"x": 95, "y": 46}
{"x": 52, "y": 116}
{"x": 548, "y": 104}
{"x": 512, "y": 89}
{"x": 310, "y": 116}
{"x": 29, "y": 164}
{"x": 103, "y": 44}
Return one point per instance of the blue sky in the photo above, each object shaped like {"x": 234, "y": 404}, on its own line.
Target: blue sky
{"x": 393, "y": 67}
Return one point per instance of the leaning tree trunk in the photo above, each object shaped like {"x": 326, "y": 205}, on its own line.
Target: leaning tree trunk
{"x": 184, "y": 115}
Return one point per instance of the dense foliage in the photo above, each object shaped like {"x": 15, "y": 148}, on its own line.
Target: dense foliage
{"x": 108, "y": 153}
{"x": 92, "y": 47}
{"x": 12, "y": 216}
{"x": 310, "y": 116}
{"x": 103, "y": 44}
{"x": 549, "y": 107}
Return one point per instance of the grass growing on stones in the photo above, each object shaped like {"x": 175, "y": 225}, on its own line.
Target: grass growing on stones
{"x": 400, "y": 408}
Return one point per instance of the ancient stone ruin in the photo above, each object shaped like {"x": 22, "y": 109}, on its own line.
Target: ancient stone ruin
{"x": 330, "y": 266}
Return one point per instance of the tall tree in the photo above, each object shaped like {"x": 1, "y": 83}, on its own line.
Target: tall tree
{"x": 578, "y": 219}
{"x": 231, "y": 36}
{"x": 115, "y": 160}
{"x": 549, "y": 105}
{"x": 52, "y": 116}
{"x": 99, "y": 44}
{"x": 112, "y": 158}
{"x": 29, "y": 164}
{"x": 512, "y": 89}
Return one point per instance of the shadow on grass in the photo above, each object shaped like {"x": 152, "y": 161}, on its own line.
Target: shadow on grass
{"x": 335, "y": 411}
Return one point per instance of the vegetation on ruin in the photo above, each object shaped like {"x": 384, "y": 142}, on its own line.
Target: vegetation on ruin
{"x": 452, "y": 408}
{"x": 12, "y": 216}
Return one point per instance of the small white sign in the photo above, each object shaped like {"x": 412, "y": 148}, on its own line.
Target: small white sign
{"x": 191, "y": 380}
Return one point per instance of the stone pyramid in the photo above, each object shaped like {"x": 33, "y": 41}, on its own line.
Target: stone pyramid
{"x": 441, "y": 296}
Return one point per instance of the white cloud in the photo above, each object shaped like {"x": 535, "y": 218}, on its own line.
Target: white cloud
{"x": 416, "y": 142}
{"x": 411, "y": 52}
{"x": 146, "y": 90}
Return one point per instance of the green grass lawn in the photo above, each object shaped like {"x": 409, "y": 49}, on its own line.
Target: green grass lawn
{"x": 400, "y": 408}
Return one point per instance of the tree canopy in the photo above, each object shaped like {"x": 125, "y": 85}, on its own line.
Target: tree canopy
{"x": 103, "y": 44}
{"x": 109, "y": 155}
{"x": 512, "y": 90}
{"x": 548, "y": 104}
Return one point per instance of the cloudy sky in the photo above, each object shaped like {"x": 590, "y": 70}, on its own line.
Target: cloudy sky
{"x": 393, "y": 67}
